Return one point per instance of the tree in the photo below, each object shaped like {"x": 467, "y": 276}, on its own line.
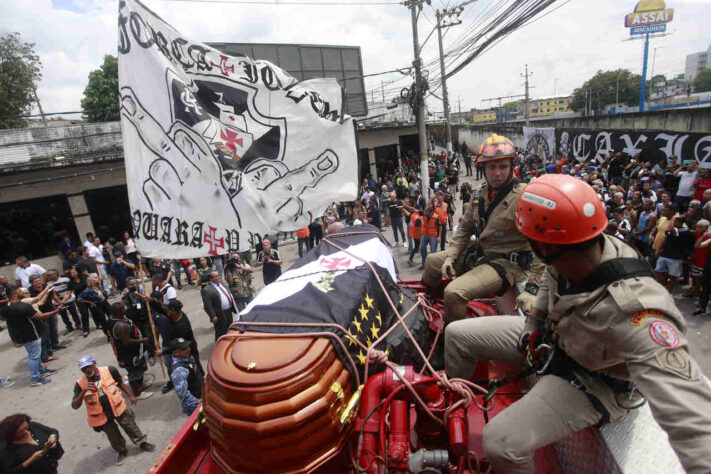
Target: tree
{"x": 702, "y": 83}
{"x": 19, "y": 72}
{"x": 101, "y": 95}
{"x": 603, "y": 89}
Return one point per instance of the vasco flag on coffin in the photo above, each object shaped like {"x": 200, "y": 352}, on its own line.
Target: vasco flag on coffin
{"x": 221, "y": 148}
{"x": 329, "y": 285}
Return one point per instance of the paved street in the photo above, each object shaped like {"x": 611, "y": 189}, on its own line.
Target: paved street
{"x": 160, "y": 416}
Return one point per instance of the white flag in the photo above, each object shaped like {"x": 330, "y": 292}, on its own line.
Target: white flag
{"x": 540, "y": 141}
{"x": 219, "y": 149}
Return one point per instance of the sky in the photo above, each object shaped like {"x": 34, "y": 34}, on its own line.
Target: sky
{"x": 562, "y": 49}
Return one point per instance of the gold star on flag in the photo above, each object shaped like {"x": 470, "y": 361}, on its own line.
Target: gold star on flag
{"x": 402, "y": 298}
{"x": 369, "y": 343}
{"x": 363, "y": 313}
{"x": 368, "y": 301}
{"x": 374, "y": 331}
{"x": 357, "y": 325}
{"x": 361, "y": 358}
{"x": 351, "y": 339}
{"x": 380, "y": 319}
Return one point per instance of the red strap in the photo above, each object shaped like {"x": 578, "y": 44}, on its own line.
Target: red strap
{"x": 225, "y": 293}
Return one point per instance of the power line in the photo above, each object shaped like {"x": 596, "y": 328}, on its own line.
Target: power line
{"x": 266, "y": 2}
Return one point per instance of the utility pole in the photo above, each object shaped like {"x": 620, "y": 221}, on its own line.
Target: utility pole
{"x": 39, "y": 105}
{"x": 382, "y": 90}
{"x": 528, "y": 105}
{"x": 445, "y": 15}
{"x": 415, "y": 6}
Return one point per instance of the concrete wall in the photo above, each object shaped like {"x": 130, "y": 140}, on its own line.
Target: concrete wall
{"x": 373, "y": 138}
{"x": 29, "y": 148}
{"x": 679, "y": 120}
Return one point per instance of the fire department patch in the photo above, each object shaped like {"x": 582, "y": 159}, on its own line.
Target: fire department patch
{"x": 639, "y": 316}
{"x": 664, "y": 334}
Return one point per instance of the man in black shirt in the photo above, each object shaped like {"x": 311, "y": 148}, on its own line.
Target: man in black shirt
{"x": 25, "y": 326}
{"x": 270, "y": 259}
{"x": 134, "y": 298}
{"x": 395, "y": 207}
{"x": 86, "y": 264}
{"x": 70, "y": 262}
{"x": 130, "y": 349}
{"x": 120, "y": 270}
{"x": 160, "y": 268}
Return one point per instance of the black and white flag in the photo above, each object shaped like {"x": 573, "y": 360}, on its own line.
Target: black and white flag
{"x": 329, "y": 285}
{"x": 219, "y": 148}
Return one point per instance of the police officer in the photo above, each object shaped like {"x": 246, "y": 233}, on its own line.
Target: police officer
{"x": 185, "y": 375}
{"x": 501, "y": 254}
{"x": 614, "y": 333}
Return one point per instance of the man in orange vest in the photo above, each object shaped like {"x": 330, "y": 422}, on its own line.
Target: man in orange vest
{"x": 100, "y": 389}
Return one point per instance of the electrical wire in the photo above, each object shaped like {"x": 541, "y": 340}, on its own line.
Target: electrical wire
{"x": 299, "y": 2}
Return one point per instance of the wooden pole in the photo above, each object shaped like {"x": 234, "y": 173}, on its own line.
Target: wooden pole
{"x": 155, "y": 340}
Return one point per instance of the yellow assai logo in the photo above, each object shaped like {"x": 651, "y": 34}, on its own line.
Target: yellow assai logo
{"x": 649, "y": 12}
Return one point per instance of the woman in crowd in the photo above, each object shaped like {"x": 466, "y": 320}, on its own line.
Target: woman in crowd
{"x": 95, "y": 297}
{"x": 29, "y": 447}
{"x": 205, "y": 266}
{"x": 129, "y": 248}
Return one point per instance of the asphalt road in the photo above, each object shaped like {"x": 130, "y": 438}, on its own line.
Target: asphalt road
{"x": 160, "y": 416}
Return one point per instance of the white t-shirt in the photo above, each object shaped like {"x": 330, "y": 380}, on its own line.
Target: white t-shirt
{"x": 24, "y": 274}
{"x": 96, "y": 253}
{"x": 170, "y": 293}
{"x": 686, "y": 183}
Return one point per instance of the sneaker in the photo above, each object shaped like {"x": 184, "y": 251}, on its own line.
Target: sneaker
{"x": 147, "y": 447}
{"x": 6, "y": 382}
{"x": 144, "y": 395}
{"x": 59, "y": 347}
{"x": 699, "y": 312}
{"x": 404, "y": 244}
{"x": 40, "y": 382}
{"x": 68, "y": 330}
{"x": 166, "y": 388}
{"x": 50, "y": 372}
{"x": 121, "y": 459}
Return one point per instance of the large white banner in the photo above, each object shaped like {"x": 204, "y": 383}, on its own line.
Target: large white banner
{"x": 221, "y": 150}
{"x": 540, "y": 141}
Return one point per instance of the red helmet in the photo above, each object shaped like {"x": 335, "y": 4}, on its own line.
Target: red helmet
{"x": 559, "y": 209}
{"x": 496, "y": 147}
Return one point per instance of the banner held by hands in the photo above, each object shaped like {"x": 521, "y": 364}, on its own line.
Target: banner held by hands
{"x": 222, "y": 149}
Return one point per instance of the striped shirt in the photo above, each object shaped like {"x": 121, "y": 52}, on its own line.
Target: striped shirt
{"x": 61, "y": 286}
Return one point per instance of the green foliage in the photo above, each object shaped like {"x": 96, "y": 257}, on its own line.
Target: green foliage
{"x": 101, "y": 96}
{"x": 604, "y": 83}
{"x": 513, "y": 106}
{"x": 702, "y": 83}
{"x": 19, "y": 72}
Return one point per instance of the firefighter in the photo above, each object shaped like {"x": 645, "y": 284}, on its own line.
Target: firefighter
{"x": 501, "y": 255}
{"x": 614, "y": 335}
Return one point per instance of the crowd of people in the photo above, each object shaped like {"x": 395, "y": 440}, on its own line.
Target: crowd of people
{"x": 661, "y": 209}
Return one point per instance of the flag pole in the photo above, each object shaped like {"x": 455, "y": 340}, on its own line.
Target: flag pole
{"x": 155, "y": 340}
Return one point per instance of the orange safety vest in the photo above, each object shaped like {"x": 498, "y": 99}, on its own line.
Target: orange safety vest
{"x": 303, "y": 233}
{"x": 429, "y": 226}
{"x": 413, "y": 231}
{"x": 95, "y": 413}
{"x": 440, "y": 209}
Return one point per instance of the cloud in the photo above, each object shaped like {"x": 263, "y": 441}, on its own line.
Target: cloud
{"x": 571, "y": 44}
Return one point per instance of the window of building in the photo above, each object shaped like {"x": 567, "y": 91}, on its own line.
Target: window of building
{"x": 33, "y": 228}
